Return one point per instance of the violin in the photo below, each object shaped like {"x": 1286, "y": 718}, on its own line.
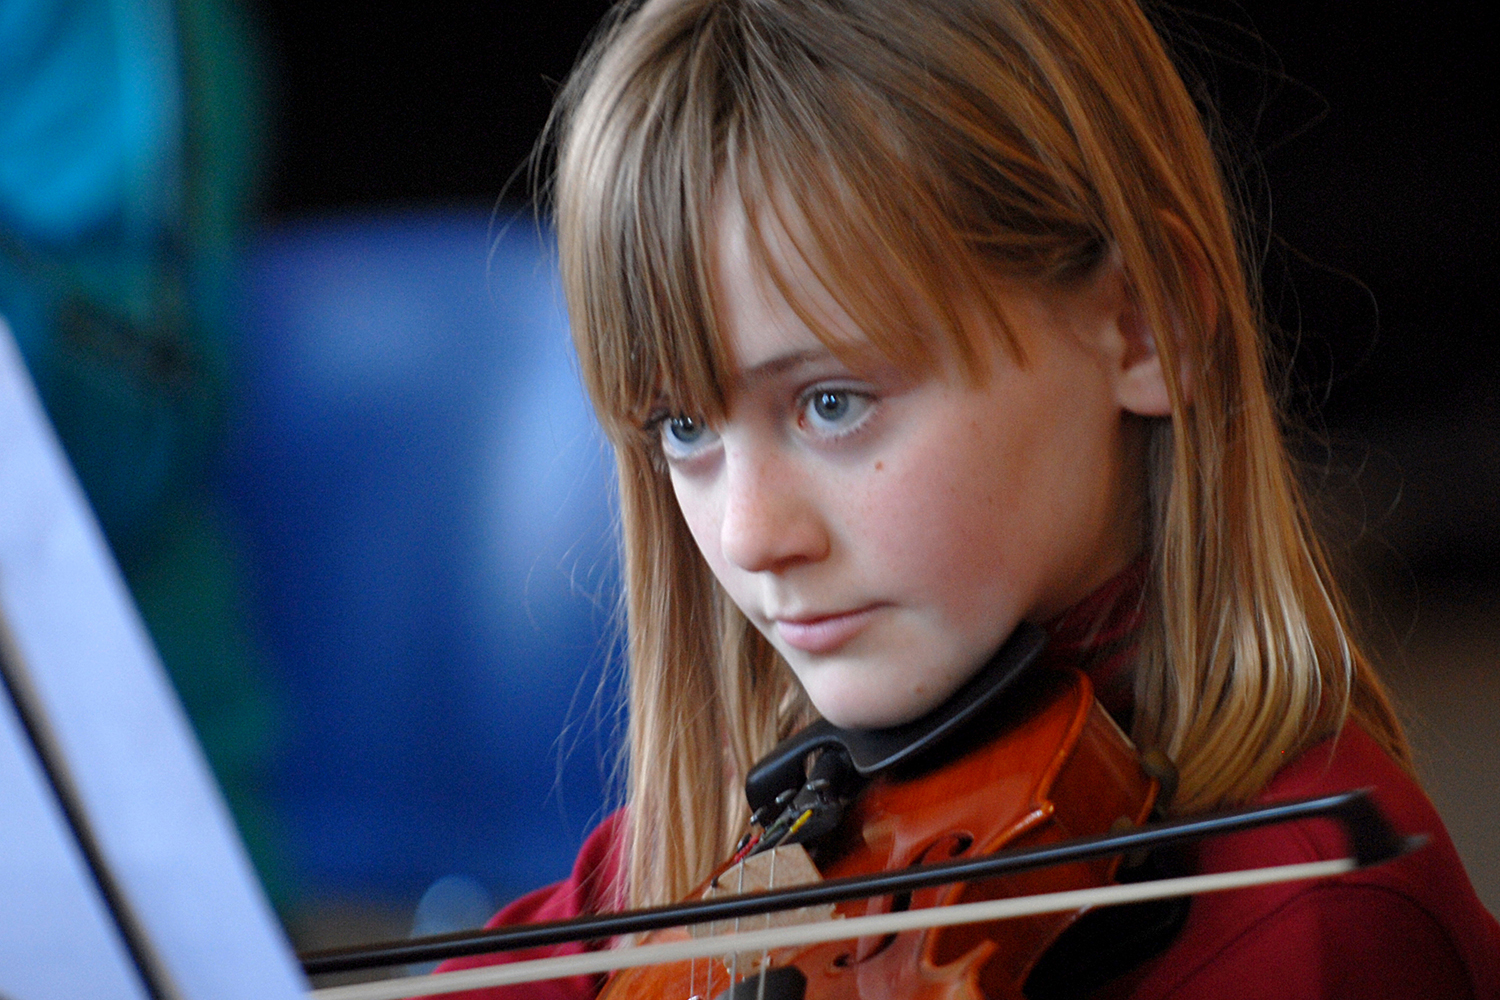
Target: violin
{"x": 1016, "y": 759}
{"x": 940, "y": 860}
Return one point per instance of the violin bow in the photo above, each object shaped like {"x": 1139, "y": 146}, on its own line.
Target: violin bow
{"x": 1370, "y": 837}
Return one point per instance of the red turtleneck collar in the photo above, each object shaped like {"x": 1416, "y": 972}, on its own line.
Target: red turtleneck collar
{"x": 1098, "y": 635}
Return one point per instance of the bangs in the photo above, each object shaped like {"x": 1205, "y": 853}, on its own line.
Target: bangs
{"x": 899, "y": 186}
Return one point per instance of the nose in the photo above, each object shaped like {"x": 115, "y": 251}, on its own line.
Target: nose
{"x": 772, "y": 520}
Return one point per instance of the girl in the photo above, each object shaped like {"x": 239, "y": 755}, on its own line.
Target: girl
{"x": 911, "y": 320}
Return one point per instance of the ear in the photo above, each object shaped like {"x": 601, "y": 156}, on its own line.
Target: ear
{"x": 1140, "y": 386}
{"x": 1128, "y": 345}
{"x": 1141, "y": 381}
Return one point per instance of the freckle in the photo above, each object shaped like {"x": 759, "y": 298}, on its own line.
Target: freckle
{"x": 879, "y": 465}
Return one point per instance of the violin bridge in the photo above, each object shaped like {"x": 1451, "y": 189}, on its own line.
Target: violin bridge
{"x": 779, "y": 868}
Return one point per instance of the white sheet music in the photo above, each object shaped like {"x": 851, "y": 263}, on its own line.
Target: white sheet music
{"x": 87, "y": 670}
{"x": 57, "y": 938}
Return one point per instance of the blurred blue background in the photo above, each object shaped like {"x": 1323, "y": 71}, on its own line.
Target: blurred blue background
{"x": 422, "y": 500}
{"x": 342, "y": 458}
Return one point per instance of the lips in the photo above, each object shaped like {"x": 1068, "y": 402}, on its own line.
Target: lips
{"x": 824, "y": 633}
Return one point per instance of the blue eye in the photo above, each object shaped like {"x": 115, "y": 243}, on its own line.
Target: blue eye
{"x": 834, "y": 412}
{"x": 684, "y": 430}
{"x": 682, "y": 437}
{"x": 831, "y": 406}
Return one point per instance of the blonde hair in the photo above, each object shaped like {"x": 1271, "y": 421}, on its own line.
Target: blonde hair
{"x": 917, "y": 150}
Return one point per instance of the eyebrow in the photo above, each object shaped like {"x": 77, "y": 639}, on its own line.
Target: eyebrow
{"x": 783, "y": 363}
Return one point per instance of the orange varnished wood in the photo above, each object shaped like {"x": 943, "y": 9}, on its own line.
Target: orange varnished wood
{"x": 1058, "y": 767}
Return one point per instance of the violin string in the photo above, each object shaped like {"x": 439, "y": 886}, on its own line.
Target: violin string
{"x": 734, "y": 961}
{"x": 765, "y": 953}
{"x": 693, "y": 971}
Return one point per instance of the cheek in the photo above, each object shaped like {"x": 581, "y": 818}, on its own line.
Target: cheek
{"x": 943, "y": 517}
{"x": 703, "y": 517}
{"x": 974, "y": 521}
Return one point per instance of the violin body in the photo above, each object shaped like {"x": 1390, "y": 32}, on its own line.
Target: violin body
{"x": 1052, "y": 766}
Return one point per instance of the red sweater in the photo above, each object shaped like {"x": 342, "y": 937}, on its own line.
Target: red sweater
{"x": 1410, "y": 929}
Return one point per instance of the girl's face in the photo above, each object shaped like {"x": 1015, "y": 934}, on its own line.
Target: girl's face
{"x": 886, "y": 532}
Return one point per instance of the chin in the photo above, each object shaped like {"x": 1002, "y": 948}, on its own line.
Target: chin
{"x": 854, "y": 712}
{"x": 864, "y": 692}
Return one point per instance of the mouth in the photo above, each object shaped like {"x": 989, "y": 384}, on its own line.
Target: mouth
{"x": 824, "y": 633}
